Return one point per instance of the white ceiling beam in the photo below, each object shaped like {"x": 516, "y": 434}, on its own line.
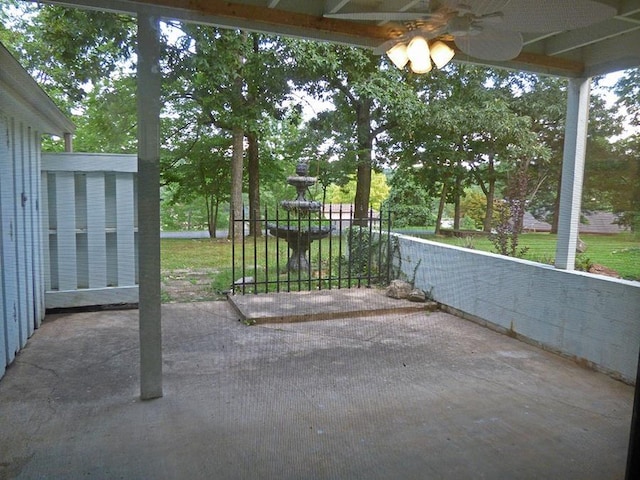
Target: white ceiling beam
{"x": 629, "y": 7}
{"x": 400, "y": 6}
{"x": 599, "y": 60}
{"x": 334, "y": 6}
{"x": 582, "y": 37}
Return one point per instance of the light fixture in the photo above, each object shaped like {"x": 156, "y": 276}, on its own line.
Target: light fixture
{"x": 398, "y": 55}
{"x": 421, "y": 66}
{"x": 420, "y": 53}
{"x": 441, "y": 53}
{"x": 418, "y": 50}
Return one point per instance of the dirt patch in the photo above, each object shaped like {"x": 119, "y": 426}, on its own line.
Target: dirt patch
{"x": 602, "y": 270}
{"x": 181, "y": 286}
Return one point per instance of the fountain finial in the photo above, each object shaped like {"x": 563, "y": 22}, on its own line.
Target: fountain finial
{"x": 302, "y": 168}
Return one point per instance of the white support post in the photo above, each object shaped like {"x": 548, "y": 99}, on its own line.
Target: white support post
{"x": 68, "y": 142}
{"x": 575, "y": 143}
{"x": 148, "y": 104}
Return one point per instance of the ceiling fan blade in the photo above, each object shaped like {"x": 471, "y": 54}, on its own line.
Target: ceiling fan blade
{"x": 491, "y": 44}
{"x": 383, "y": 47}
{"x": 381, "y": 16}
{"x": 554, "y": 15}
{"x": 406, "y": 38}
{"x": 476, "y": 7}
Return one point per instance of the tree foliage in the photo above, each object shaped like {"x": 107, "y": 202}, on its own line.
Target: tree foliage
{"x": 443, "y": 135}
{"x": 368, "y": 99}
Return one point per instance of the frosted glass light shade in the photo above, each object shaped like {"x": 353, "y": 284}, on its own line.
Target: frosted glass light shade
{"x": 418, "y": 51}
{"x": 398, "y": 55}
{"x": 421, "y": 66}
{"x": 441, "y": 53}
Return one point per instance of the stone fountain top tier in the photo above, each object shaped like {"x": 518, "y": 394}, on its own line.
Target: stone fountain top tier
{"x": 301, "y": 181}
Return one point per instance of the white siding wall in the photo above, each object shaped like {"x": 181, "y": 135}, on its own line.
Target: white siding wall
{"x": 592, "y": 318}
{"x": 21, "y": 286}
{"x": 89, "y": 217}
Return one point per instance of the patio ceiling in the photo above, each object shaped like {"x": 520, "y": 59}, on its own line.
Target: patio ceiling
{"x": 606, "y": 36}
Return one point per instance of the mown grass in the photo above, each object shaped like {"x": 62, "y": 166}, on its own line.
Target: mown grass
{"x": 620, "y": 252}
{"x": 201, "y": 253}
{"x": 258, "y": 260}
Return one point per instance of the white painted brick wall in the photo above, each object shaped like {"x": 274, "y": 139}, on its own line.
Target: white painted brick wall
{"x": 590, "y": 317}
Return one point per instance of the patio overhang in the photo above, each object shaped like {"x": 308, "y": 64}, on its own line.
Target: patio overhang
{"x": 605, "y": 46}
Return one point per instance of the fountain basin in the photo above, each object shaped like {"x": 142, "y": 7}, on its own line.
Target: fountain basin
{"x": 299, "y": 241}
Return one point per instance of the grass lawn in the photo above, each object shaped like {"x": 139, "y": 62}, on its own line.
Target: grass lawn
{"x": 621, "y": 252}
{"x": 205, "y": 263}
{"x": 200, "y": 253}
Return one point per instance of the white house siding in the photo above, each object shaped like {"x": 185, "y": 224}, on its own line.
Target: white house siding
{"x": 22, "y": 292}
{"x": 25, "y": 114}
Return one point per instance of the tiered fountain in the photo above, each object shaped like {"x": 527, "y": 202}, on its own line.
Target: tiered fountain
{"x": 300, "y": 236}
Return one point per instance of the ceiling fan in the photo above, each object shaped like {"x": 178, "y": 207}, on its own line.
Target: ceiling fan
{"x": 482, "y": 29}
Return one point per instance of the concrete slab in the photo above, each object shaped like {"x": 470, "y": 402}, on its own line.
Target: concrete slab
{"x": 413, "y": 396}
{"x": 321, "y": 305}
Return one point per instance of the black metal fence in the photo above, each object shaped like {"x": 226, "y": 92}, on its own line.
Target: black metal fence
{"x": 320, "y": 251}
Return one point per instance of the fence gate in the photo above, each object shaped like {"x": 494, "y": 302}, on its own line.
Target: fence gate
{"x": 89, "y": 216}
{"x": 356, "y": 253}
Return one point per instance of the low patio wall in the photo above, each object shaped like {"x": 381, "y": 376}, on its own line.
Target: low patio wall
{"x": 592, "y": 318}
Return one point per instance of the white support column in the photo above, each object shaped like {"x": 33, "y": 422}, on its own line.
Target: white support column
{"x": 575, "y": 143}
{"x": 148, "y": 104}
{"x": 68, "y": 142}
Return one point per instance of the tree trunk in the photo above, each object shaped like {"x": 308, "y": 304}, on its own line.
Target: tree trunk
{"x": 363, "y": 173}
{"x": 490, "y": 194}
{"x": 214, "y": 223}
{"x": 235, "y": 204}
{"x": 456, "y": 211}
{"x": 363, "y": 188}
{"x": 556, "y": 206}
{"x": 210, "y": 220}
{"x": 253, "y": 170}
{"x": 443, "y": 200}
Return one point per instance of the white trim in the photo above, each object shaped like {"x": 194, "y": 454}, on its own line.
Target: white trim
{"x": 91, "y": 296}
{"x": 89, "y": 162}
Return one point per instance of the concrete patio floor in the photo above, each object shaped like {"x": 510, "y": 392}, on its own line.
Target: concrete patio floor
{"x": 408, "y": 395}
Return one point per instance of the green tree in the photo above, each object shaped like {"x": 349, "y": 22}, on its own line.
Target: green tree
{"x": 346, "y": 193}
{"x": 409, "y": 202}
{"x": 368, "y": 97}
{"x": 67, "y": 50}
{"x": 627, "y": 88}
{"x": 233, "y": 81}
{"x": 199, "y": 169}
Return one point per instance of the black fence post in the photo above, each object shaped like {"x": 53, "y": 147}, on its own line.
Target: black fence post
{"x": 265, "y": 233}
{"x": 389, "y": 247}
{"x": 244, "y": 262}
{"x": 232, "y": 223}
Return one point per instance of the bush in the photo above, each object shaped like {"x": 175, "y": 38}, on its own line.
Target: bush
{"x": 367, "y": 253}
